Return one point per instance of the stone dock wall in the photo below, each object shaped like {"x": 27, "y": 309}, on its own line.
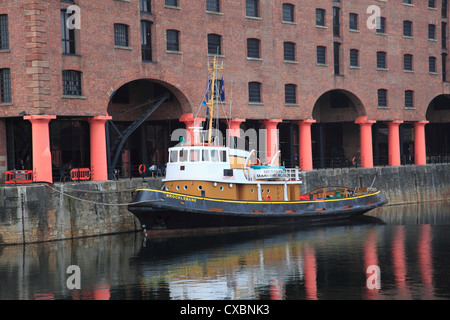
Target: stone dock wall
{"x": 39, "y": 212}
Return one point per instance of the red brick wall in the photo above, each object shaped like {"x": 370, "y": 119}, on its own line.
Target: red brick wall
{"x": 36, "y": 60}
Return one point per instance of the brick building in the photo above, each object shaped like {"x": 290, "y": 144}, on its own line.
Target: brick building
{"x": 338, "y": 84}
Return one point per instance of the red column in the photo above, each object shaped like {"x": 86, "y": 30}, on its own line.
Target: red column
{"x": 420, "y": 154}
{"x": 271, "y": 139}
{"x": 191, "y": 123}
{"x": 366, "y": 141}
{"x": 305, "y": 146}
{"x": 234, "y": 127}
{"x": 42, "y": 156}
{"x": 99, "y": 163}
{"x": 394, "y": 142}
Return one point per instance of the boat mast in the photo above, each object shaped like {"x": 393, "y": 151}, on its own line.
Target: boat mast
{"x": 210, "y": 103}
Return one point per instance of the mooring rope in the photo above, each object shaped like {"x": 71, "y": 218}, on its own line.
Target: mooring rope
{"x": 100, "y": 203}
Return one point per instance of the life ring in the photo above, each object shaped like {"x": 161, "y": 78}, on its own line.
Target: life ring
{"x": 268, "y": 198}
{"x": 354, "y": 161}
{"x": 142, "y": 168}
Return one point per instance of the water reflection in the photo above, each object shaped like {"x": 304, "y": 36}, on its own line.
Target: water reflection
{"x": 408, "y": 243}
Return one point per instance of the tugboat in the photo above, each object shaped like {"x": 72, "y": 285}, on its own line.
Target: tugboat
{"x": 209, "y": 185}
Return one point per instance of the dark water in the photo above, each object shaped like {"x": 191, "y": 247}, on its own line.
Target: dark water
{"x": 409, "y": 244}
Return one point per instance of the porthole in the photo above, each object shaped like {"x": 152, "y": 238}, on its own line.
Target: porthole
{"x": 268, "y": 190}
{"x": 215, "y": 184}
{"x": 221, "y": 188}
{"x": 178, "y": 187}
{"x": 262, "y": 190}
{"x": 200, "y": 187}
{"x": 185, "y": 187}
{"x": 167, "y": 188}
{"x": 253, "y": 190}
{"x": 231, "y": 185}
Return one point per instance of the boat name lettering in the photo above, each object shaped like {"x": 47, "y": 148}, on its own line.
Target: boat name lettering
{"x": 270, "y": 173}
{"x": 183, "y": 198}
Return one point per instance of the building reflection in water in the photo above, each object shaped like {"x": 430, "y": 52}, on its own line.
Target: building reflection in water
{"x": 313, "y": 263}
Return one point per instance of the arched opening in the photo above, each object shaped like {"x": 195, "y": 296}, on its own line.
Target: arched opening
{"x": 144, "y": 114}
{"x": 437, "y": 131}
{"x": 335, "y": 136}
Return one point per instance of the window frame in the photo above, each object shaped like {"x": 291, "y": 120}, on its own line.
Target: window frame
{"x": 72, "y": 83}
{"x": 121, "y": 35}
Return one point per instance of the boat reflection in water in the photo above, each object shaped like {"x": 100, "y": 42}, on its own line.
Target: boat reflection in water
{"x": 409, "y": 244}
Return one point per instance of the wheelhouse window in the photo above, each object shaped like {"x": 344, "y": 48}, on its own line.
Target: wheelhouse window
{"x": 121, "y": 35}
{"x": 174, "y": 156}
{"x": 71, "y": 83}
{"x": 68, "y": 34}
{"x": 4, "y": 33}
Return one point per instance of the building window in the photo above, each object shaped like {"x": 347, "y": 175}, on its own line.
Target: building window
{"x": 254, "y": 92}
{"x": 407, "y": 1}
{"x": 171, "y": 3}
{"x": 146, "y": 6}
{"x": 353, "y": 21}
{"x": 252, "y": 8}
{"x": 121, "y": 35}
{"x": 320, "y": 17}
{"x": 337, "y": 57}
{"x": 146, "y": 40}
{"x": 407, "y": 28}
{"x": 431, "y": 3}
{"x": 354, "y": 58}
{"x": 409, "y": 99}
{"x": 444, "y": 67}
{"x": 444, "y": 35}
{"x": 253, "y": 48}
{"x": 71, "y": 82}
{"x": 321, "y": 55}
{"x": 290, "y": 94}
{"x": 432, "y": 64}
{"x": 68, "y": 34}
{"x": 5, "y": 86}
{"x": 288, "y": 12}
{"x": 408, "y": 62}
{"x": 214, "y": 44}
{"x": 382, "y": 98}
{"x": 336, "y": 21}
{"x": 431, "y": 32}
{"x": 444, "y": 8}
{"x": 289, "y": 51}
{"x": 381, "y": 60}
{"x": 213, "y": 5}
{"x": 4, "y": 33}
{"x": 381, "y": 25}
{"x": 172, "y": 43}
